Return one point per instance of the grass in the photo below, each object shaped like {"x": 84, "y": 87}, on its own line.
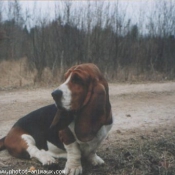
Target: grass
{"x": 144, "y": 154}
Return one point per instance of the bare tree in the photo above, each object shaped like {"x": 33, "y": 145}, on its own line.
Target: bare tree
{"x": 101, "y": 33}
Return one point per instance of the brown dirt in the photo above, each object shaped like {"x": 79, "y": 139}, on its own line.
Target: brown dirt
{"x": 138, "y": 109}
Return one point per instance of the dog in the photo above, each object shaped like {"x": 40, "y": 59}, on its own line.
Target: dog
{"x": 71, "y": 128}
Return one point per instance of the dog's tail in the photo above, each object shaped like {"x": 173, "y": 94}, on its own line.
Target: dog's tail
{"x": 2, "y": 145}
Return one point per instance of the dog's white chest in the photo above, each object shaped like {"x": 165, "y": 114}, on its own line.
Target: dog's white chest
{"x": 91, "y": 146}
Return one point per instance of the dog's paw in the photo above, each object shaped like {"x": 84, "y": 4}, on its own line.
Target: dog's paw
{"x": 46, "y": 159}
{"x": 96, "y": 160}
{"x": 73, "y": 170}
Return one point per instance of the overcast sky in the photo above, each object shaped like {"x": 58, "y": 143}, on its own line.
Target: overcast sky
{"x": 40, "y": 9}
{"x": 132, "y": 8}
{"x": 47, "y": 7}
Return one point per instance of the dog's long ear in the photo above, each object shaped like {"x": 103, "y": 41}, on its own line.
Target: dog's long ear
{"x": 89, "y": 94}
{"x": 62, "y": 119}
{"x": 56, "y": 118}
{"x": 93, "y": 115}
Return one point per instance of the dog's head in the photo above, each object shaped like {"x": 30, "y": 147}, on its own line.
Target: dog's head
{"x": 75, "y": 92}
{"x": 84, "y": 87}
{"x": 71, "y": 94}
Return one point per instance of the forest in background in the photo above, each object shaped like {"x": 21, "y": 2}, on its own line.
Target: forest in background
{"x": 101, "y": 34}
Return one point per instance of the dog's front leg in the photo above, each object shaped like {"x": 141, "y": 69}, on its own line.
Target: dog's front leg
{"x": 73, "y": 164}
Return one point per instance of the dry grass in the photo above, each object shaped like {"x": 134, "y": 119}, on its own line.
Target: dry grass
{"x": 16, "y": 73}
{"x": 149, "y": 154}
{"x": 146, "y": 154}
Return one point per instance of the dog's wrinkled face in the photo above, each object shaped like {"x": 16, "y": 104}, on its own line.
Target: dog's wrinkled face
{"x": 72, "y": 93}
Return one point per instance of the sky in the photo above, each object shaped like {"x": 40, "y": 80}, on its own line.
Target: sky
{"x": 42, "y": 9}
{"x": 133, "y": 5}
{"x": 133, "y": 8}
{"x": 47, "y": 7}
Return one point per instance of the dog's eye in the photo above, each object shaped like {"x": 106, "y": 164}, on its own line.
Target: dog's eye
{"x": 77, "y": 80}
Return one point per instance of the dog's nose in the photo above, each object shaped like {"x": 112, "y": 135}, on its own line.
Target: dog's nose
{"x": 57, "y": 94}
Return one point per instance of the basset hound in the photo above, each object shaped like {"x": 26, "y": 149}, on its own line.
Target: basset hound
{"x": 71, "y": 128}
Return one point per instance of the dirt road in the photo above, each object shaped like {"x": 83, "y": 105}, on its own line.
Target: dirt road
{"x": 135, "y": 106}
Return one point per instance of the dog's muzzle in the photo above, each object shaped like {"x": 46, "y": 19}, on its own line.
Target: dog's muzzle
{"x": 57, "y": 95}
